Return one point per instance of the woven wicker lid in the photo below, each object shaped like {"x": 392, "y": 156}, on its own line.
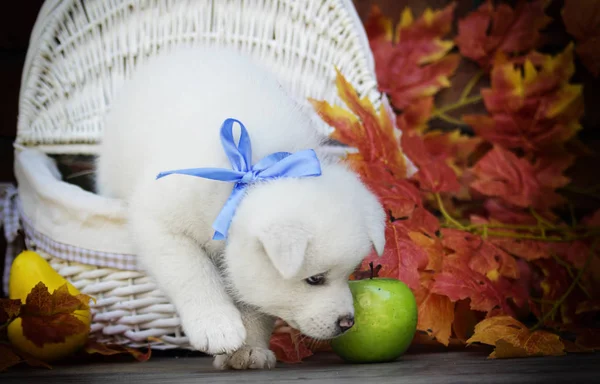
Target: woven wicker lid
{"x": 81, "y": 52}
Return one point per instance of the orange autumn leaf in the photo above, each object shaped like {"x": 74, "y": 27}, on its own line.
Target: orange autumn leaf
{"x": 371, "y": 133}
{"x": 533, "y": 109}
{"x": 415, "y": 63}
{"x": 49, "y": 318}
{"x": 95, "y": 347}
{"x": 432, "y": 246}
{"x": 435, "y": 314}
{"x": 490, "y": 30}
{"x": 582, "y": 21}
{"x": 513, "y": 339}
{"x": 465, "y": 320}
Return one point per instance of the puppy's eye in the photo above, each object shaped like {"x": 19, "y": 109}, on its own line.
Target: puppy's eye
{"x": 316, "y": 279}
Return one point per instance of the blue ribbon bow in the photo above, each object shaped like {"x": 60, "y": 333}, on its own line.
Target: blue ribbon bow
{"x": 279, "y": 164}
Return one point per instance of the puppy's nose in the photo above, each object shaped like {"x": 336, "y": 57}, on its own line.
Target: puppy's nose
{"x": 345, "y": 322}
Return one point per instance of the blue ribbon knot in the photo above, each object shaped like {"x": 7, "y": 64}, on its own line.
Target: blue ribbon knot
{"x": 276, "y": 165}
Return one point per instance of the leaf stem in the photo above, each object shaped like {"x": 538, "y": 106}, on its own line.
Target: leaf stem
{"x": 450, "y": 119}
{"x": 470, "y": 85}
{"x": 575, "y": 282}
{"x": 447, "y": 217}
{"x": 459, "y": 104}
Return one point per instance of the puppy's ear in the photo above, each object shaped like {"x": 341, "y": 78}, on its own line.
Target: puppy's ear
{"x": 375, "y": 222}
{"x": 286, "y": 248}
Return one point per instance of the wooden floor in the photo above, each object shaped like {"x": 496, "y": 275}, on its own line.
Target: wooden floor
{"x": 445, "y": 367}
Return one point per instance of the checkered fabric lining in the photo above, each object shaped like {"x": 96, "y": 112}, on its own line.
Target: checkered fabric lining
{"x": 10, "y": 215}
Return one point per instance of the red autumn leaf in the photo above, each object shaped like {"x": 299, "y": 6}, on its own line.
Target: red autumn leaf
{"x": 288, "y": 348}
{"x": 49, "y": 318}
{"x": 421, "y": 220}
{"x": 95, "y": 347}
{"x": 533, "y": 109}
{"x": 460, "y": 283}
{"x": 432, "y": 247}
{"x": 481, "y": 256}
{"x": 402, "y": 259}
{"x": 501, "y": 212}
{"x": 399, "y": 197}
{"x": 434, "y": 175}
{"x": 555, "y": 282}
{"x": 371, "y": 133}
{"x": 500, "y": 173}
{"x": 416, "y": 62}
{"x": 9, "y": 309}
{"x": 582, "y": 21}
{"x": 435, "y": 314}
{"x": 451, "y": 146}
{"x": 414, "y": 116}
{"x": 523, "y": 248}
{"x": 513, "y": 339}
{"x": 489, "y": 30}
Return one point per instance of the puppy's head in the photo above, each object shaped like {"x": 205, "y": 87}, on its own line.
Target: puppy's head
{"x": 294, "y": 242}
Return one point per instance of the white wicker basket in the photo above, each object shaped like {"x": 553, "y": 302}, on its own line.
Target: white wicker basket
{"x": 80, "y": 52}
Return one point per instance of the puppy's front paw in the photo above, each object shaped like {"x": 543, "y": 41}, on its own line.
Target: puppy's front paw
{"x": 246, "y": 358}
{"x": 216, "y": 332}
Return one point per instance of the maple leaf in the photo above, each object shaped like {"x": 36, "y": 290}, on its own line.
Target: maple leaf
{"x": 95, "y": 347}
{"x": 453, "y": 147}
{"x": 415, "y": 63}
{"x": 435, "y": 313}
{"x": 533, "y": 109}
{"x": 459, "y": 283}
{"x": 490, "y": 30}
{"x": 414, "y": 116}
{"x": 288, "y": 348}
{"x": 401, "y": 259}
{"x": 49, "y": 318}
{"x": 9, "y": 309}
{"x": 481, "y": 256}
{"x": 371, "y": 133}
{"x": 432, "y": 246}
{"x": 513, "y": 339}
{"x": 582, "y": 21}
{"x": 434, "y": 175}
{"x": 500, "y": 173}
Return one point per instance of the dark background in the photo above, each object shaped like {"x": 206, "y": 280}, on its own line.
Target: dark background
{"x": 18, "y": 16}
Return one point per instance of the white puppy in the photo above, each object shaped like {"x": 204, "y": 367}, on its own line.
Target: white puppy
{"x": 292, "y": 242}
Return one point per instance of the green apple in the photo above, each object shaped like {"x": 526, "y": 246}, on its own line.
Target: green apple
{"x": 385, "y": 322}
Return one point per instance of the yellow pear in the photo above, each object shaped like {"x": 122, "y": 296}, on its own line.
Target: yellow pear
{"x": 27, "y": 270}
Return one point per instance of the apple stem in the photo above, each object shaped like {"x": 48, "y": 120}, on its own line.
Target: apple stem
{"x": 374, "y": 271}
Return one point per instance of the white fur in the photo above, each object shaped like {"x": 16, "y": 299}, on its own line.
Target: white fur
{"x": 168, "y": 117}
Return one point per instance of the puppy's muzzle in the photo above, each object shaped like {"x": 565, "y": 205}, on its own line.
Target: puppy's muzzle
{"x": 345, "y": 323}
